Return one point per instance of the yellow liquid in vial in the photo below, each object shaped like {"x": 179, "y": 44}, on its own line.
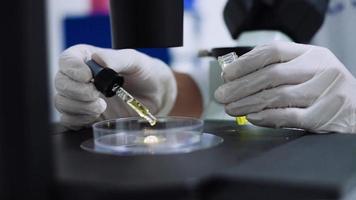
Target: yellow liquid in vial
{"x": 241, "y": 120}
{"x": 225, "y": 60}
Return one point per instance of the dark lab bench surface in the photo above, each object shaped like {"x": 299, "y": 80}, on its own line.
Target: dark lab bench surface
{"x": 252, "y": 163}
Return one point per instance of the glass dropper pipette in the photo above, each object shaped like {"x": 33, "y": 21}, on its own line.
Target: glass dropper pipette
{"x": 109, "y": 83}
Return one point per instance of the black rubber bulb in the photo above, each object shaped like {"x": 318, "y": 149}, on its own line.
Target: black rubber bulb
{"x": 105, "y": 79}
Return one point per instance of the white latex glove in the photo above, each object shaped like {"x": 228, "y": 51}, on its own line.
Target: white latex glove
{"x": 291, "y": 85}
{"x": 80, "y": 104}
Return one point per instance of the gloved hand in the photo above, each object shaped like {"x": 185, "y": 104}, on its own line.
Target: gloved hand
{"x": 80, "y": 104}
{"x": 291, "y": 85}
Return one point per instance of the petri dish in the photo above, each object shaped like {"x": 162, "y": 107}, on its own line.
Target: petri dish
{"x": 135, "y": 136}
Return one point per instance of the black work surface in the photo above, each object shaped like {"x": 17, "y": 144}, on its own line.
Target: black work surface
{"x": 261, "y": 162}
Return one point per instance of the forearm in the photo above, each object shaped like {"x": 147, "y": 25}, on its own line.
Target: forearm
{"x": 189, "y": 100}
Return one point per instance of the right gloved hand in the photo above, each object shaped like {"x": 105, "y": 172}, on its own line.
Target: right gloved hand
{"x": 80, "y": 104}
{"x": 291, "y": 85}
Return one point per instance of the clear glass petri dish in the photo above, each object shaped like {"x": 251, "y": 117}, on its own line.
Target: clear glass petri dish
{"x": 135, "y": 135}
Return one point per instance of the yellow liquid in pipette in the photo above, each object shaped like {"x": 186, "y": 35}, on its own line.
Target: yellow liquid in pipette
{"x": 139, "y": 108}
{"x": 142, "y": 111}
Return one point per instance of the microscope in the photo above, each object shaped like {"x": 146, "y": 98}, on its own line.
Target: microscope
{"x": 159, "y": 23}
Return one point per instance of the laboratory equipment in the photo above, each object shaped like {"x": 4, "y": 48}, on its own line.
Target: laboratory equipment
{"x": 226, "y": 60}
{"x": 108, "y": 82}
{"x": 139, "y": 24}
{"x": 24, "y": 116}
{"x": 215, "y": 110}
{"x": 80, "y": 175}
{"x": 132, "y": 136}
{"x": 283, "y": 16}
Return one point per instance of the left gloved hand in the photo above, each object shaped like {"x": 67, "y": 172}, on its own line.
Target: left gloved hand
{"x": 148, "y": 79}
{"x": 291, "y": 85}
